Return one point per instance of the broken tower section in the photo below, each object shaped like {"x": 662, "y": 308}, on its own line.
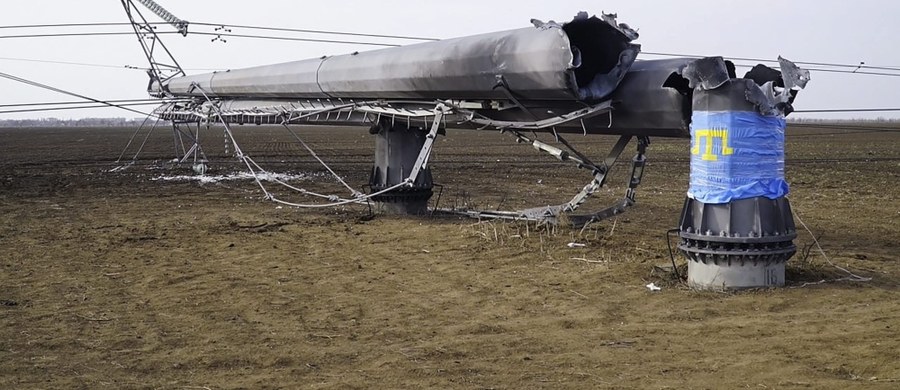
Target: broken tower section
{"x": 736, "y": 227}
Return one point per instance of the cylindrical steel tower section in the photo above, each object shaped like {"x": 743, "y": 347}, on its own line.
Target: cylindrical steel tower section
{"x": 584, "y": 59}
{"x": 736, "y": 228}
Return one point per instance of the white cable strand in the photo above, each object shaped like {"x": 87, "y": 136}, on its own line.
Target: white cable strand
{"x": 851, "y": 277}
{"x": 353, "y": 191}
{"x": 133, "y": 135}
{"x": 237, "y": 148}
{"x": 240, "y": 155}
{"x": 147, "y": 137}
{"x": 360, "y": 200}
{"x": 300, "y": 190}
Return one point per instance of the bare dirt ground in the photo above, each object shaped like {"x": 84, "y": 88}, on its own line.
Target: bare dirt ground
{"x": 119, "y": 280}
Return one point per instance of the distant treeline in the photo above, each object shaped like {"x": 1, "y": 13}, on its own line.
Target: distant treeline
{"x": 84, "y": 122}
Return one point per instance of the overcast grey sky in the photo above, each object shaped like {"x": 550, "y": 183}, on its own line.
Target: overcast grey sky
{"x": 808, "y": 30}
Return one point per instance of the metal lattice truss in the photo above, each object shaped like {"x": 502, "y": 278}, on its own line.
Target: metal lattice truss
{"x": 428, "y": 115}
{"x": 163, "y": 65}
{"x": 352, "y": 112}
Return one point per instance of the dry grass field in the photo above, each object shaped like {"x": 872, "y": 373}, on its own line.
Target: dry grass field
{"x": 119, "y": 280}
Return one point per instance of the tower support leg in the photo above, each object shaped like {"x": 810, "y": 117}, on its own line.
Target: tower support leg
{"x": 396, "y": 151}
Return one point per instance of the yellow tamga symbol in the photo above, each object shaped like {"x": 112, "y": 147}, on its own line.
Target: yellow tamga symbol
{"x": 709, "y": 136}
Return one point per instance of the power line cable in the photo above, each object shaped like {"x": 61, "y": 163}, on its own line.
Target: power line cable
{"x": 268, "y": 37}
{"x": 227, "y": 25}
{"x": 126, "y": 67}
{"x": 847, "y": 110}
{"x": 87, "y": 106}
{"x": 835, "y": 126}
{"x": 144, "y": 100}
{"x": 355, "y": 34}
{"x": 740, "y": 65}
{"x": 856, "y": 68}
{"x": 220, "y": 34}
{"x": 861, "y": 65}
{"x": 79, "y": 34}
{"x": 109, "y": 66}
{"x": 54, "y": 89}
{"x": 823, "y": 134}
{"x": 95, "y": 24}
{"x": 217, "y": 34}
{"x": 281, "y": 38}
{"x": 853, "y": 72}
{"x": 294, "y": 39}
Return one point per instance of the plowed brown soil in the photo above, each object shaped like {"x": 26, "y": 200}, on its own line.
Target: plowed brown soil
{"x": 117, "y": 280}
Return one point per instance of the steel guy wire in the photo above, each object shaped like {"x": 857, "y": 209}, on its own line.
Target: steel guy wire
{"x": 54, "y": 89}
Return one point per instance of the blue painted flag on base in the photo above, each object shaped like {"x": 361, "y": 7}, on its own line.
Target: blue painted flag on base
{"x": 736, "y": 155}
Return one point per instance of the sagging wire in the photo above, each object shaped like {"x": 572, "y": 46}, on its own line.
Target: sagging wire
{"x": 95, "y": 65}
{"x": 671, "y": 253}
{"x": 421, "y": 161}
{"x": 219, "y": 26}
{"x": 131, "y": 139}
{"x": 83, "y": 34}
{"x": 332, "y": 198}
{"x": 250, "y": 163}
{"x": 69, "y": 103}
{"x": 107, "y": 66}
{"x": 820, "y": 110}
{"x": 82, "y": 107}
{"x": 316, "y": 31}
{"x": 361, "y": 200}
{"x": 850, "y": 275}
{"x": 353, "y": 191}
{"x": 836, "y": 126}
{"x": 237, "y": 149}
{"x": 95, "y": 24}
{"x": 854, "y": 68}
{"x": 220, "y": 35}
{"x": 336, "y": 201}
{"x": 54, "y": 89}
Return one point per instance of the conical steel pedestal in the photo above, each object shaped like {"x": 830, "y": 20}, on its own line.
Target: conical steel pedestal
{"x": 741, "y": 244}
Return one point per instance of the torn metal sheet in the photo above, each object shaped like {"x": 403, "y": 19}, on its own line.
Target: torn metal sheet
{"x": 761, "y": 74}
{"x": 598, "y": 68}
{"x": 770, "y": 91}
{"x": 778, "y": 87}
{"x": 653, "y": 99}
{"x": 763, "y": 97}
{"x": 604, "y": 52}
{"x": 706, "y": 73}
{"x": 793, "y": 77}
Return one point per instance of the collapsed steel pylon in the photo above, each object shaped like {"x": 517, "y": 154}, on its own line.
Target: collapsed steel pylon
{"x": 582, "y": 76}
